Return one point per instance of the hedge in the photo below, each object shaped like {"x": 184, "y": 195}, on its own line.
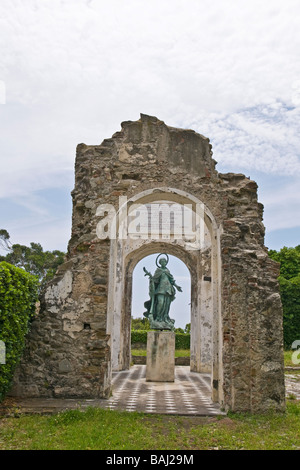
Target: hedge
{"x": 289, "y": 281}
{"x": 290, "y": 296}
{"x": 18, "y": 297}
{"x": 182, "y": 340}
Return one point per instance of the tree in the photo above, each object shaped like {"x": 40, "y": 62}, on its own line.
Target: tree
{"x": 289, "y": 259}
{"x": 32, "y": 259}
{"x": 4, "y": 240}
{"x": 289, "y": 282}
{"x": 140, "y": 324}
{"x": 179, "y": 330}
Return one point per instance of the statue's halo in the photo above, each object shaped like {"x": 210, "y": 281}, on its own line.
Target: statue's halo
{"x": 161, "y": 254}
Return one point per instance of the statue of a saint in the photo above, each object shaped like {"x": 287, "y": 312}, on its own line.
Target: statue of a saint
{"x": 162, "y": 293}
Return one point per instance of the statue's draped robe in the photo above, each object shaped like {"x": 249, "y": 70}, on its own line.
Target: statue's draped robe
{"x": 162, "y": 293}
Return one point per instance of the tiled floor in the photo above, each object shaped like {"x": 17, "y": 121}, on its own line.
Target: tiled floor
{"x": 189, "y": 394}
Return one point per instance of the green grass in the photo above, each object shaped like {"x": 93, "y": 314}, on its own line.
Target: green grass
{"x": 288, "y": 359}
{"x": 186, "y": 353}
{"x": 101, "y": 429}
{"x": 178, "y": 352}
{"x": 138, "y": 352}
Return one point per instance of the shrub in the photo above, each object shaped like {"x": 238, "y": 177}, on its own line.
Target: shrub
{"x": 290, "y": 296}
{"x": 18, "y": 297}
{"x": 138, "y": 336}
{"x": 289, "y": 281}
{"x": 140, "y": 324}
{"x": 182, "y": 340}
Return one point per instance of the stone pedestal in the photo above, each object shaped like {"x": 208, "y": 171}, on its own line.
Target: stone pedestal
{"x": 160, "y": 356}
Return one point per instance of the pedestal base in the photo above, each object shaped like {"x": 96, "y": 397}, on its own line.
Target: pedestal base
{"x": 160, "y": 365}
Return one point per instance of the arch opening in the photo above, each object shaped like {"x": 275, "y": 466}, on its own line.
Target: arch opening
{"x": 203, "y": 264}
{"x": 180, "y": 309}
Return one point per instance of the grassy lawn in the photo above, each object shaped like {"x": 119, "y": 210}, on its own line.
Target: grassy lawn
{"x": 100, "y": 429}
{"x": 288, "y": 360}
{"x": 186, "y": 353}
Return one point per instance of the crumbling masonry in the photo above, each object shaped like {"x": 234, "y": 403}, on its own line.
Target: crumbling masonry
{"x": 83, "y": 330}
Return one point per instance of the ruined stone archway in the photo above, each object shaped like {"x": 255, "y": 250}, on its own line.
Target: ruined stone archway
{"x": 71, "y": 346}
{"x": 205, "y": 319}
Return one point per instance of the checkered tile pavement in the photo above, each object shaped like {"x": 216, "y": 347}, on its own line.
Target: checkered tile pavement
{"x": 189, "y": 394}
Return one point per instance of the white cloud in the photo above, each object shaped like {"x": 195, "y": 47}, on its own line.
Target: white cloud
{"x": 74, "y": 69}
{"x": 52, "y": 233}
{"x": 282, "y": 206}
{"x": 217, "y": 54}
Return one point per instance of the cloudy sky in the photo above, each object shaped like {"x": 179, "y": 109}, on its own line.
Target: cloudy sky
{"x": 72, "y": 70}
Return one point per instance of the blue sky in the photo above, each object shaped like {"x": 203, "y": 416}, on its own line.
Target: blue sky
{"x": 72, "y": 70}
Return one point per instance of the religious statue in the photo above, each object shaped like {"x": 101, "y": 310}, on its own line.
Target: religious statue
{"x": 162, "y": 292}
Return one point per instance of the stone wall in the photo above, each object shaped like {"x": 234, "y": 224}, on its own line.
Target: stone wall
{"x": 69, "y": 347}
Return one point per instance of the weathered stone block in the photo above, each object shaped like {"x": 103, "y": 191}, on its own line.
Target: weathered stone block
{"x": 64, "y": 366}
{"x": 160, "y": 364}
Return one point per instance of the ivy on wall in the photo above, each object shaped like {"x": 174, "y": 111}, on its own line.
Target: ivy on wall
{"x": 18, "y": 297}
